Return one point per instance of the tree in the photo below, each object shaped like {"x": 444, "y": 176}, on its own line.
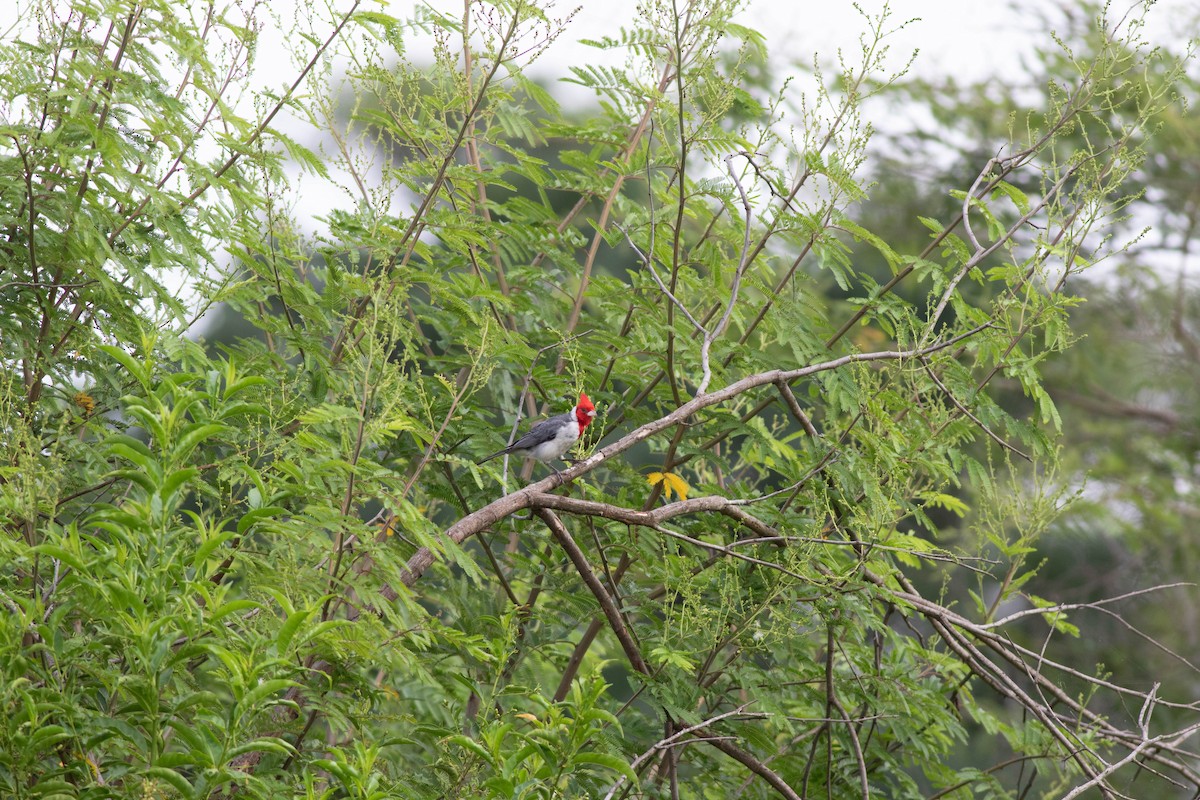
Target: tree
{"x": 1125, "y": 390}
{"x": 273, "y": 567}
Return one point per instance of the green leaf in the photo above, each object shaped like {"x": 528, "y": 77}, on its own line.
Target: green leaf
{"x": 72, "y": 560}
{"x": 210, "y": 545}
{"x": 263, "y": 745}
{"x": 261, "y": 696}
{"x": 233, "y": 607}
{"x": 256, "y": 515}
{"x": 890, "y": 255}
{"x": 137, "y": 455}
{"x": 177, "y": 781}
{"x": 1019, "y": 198}
{"x": 607, "y": 761}
{"x": 48, "y": 736}
{"x": 949, "y": 502}
{"x": 192, "y": 436}
{"x": 173, "y": 482}
{"x": 1048, "y": 410}
{"x": 283, "y": 639}
{"x": 472, "y": 746}
{"x": 132, "y": 366}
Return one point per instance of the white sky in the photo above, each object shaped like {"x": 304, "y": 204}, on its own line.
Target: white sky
{"x": 968, "y": 39}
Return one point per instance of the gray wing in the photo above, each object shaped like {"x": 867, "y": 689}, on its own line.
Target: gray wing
{"x": 543, "y": 431}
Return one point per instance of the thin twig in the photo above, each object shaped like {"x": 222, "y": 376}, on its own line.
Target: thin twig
{"x": 649, "y": 263}
{"x": 716, "y": 548}
{"x": 859, "y": 758}
{"x": 949, "y": 394}
{"x": 1076, "y": 606}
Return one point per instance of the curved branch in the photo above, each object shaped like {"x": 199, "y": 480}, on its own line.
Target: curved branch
{"x": 674, "y": 738}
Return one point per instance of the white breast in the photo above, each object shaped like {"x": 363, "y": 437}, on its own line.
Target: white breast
{"x": 555, "y": 448}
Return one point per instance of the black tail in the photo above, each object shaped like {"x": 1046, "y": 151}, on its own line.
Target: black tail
{"x": 496, "y": 454}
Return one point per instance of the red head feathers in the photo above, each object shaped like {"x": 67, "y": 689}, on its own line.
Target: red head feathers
{"x": 584, "y": 411}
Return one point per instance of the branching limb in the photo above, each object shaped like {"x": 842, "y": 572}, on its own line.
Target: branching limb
{"x": 1099, "y": 780}
{"x": 735, "y": 285}
{"x": 757, "y": 767}
{"x": 615, "y": 620}
{"x": 674, "y": 739}
{"x": 967, "y": 412}
{"x": 955, "y": 630}
{"x": 716, "y": 548}
{"x": 983, "y": 252}
{"x": 709, "y": 336}
{"x": 970, "y": 195}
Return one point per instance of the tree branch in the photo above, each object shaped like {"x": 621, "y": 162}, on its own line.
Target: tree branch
{"x": 615, "y": 620}
{"x": 522, "y": 499}
{"x": 754, "y": 765}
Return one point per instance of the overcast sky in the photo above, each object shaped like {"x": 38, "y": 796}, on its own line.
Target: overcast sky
{"x": 969, "y": 39}
{"x": 949, "y": 33}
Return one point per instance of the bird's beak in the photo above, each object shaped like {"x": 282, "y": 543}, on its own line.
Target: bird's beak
{"x": 591, "y": 413}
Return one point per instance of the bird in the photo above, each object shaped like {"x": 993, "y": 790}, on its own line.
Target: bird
{"x": 551, "y": 438}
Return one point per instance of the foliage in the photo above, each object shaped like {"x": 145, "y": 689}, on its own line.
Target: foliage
{"x": 1126, "y": 391}
{"x": 270, "y": 566}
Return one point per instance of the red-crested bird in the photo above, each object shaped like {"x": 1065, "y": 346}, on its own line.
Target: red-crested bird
{"x": 550, "y": 439}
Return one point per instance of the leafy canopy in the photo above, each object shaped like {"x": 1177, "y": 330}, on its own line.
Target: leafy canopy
{"x": 267, "y": 564}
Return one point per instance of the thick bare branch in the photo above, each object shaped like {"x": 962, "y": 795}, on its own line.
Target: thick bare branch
{"x": 615, "y": 620}
{"x": 794, "y": 406}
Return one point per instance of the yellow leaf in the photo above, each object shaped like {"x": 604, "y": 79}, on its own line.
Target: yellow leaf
{"x": 526, "y": 717}
{"x": 676, "y": 483}
{"x": 671, "y": 482}
{"x": 86, "y": 402}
